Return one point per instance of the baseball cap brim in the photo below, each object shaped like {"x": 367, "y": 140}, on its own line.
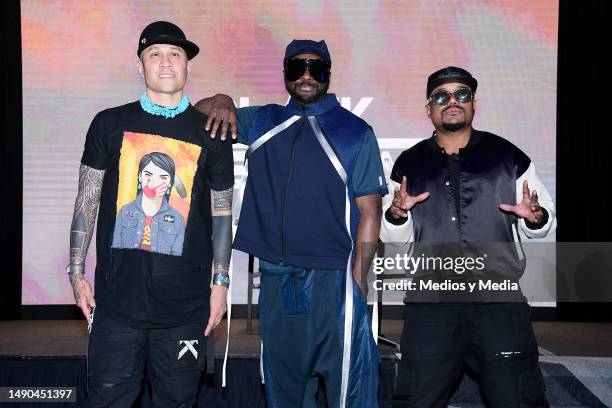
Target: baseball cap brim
{"x": 190, "y": 48}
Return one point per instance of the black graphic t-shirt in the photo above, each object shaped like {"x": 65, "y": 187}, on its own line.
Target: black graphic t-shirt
{"x": 153, "y": 240}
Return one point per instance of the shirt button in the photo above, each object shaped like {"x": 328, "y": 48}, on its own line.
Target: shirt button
{"x": 453, "y": 218}
{"x": 447, "y": 183}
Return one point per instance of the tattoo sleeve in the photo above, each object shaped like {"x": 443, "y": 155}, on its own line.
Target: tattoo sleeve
{"x": 221, "y": 205}
{"x": 84, "y": 217}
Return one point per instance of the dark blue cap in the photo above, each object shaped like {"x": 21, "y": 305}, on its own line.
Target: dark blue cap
{"x": 450, "y": 74}
{"x": 297, "y": 47}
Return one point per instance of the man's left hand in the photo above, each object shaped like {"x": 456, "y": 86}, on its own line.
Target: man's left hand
{"x": 529, "y": 208}
{"x": 218, "y": 307}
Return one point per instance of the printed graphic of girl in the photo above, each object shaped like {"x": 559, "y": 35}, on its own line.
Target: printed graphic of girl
{"x": 148, "y": 222}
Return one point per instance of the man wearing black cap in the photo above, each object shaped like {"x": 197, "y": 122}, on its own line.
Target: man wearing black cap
{"x": 157, "y": 177}
{"x": 459, "y": 187}
{"x": 311, "y": 198}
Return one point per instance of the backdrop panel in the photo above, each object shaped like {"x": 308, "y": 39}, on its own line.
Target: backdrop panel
{"x": 79, "y": 57}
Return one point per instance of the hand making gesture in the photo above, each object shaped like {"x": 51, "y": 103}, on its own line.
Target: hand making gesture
{"x": 529, "y": 208}
{"x": 403, "y": 202}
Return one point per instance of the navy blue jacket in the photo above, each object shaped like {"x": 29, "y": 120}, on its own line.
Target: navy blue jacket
{"x": 293, "y": 210}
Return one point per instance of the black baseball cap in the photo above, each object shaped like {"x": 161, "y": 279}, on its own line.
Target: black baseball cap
{"x": 450, "y": 74}
{"x": 163, "y": 32}
{"x": 297, "y": 47}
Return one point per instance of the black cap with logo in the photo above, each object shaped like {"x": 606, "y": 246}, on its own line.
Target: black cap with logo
{"x": 163, "y": 32}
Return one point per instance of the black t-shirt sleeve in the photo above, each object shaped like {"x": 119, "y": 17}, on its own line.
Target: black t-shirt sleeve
{"x": 96, "y": 152}
{"x": 220, "y": 165}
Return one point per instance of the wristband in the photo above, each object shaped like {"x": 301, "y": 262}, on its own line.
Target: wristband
{"x": 222, "y": 279}
{"x": 75, "y": 268}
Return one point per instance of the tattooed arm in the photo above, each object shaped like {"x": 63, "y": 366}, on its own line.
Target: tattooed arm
{"x": 81, "y": 232}
{"x": 221, "y": 205}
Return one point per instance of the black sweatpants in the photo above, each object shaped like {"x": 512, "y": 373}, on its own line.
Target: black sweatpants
{"x": 438, "y": 338}
{"x": 117, "y": 355}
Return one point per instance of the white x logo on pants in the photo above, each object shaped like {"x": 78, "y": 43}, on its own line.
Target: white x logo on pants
{"x": 188, "y": 347}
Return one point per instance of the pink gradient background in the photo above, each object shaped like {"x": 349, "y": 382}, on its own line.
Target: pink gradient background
{"x": 79, "y": 57}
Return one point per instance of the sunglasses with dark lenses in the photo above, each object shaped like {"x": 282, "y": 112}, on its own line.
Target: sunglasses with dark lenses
{"x": 295, "y": 68}
{"x": 443, "y": 97}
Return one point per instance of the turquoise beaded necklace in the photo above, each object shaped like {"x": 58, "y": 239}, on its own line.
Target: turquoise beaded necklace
{"x": 166, "y": 111}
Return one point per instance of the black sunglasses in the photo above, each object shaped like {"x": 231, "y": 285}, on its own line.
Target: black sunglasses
{"x": 318, "y": 69}
{"x": 443, "y": 97}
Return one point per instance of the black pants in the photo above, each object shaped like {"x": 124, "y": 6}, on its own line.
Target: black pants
{"x": 438, "y": 339}
{"x": 117, "y": 355}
